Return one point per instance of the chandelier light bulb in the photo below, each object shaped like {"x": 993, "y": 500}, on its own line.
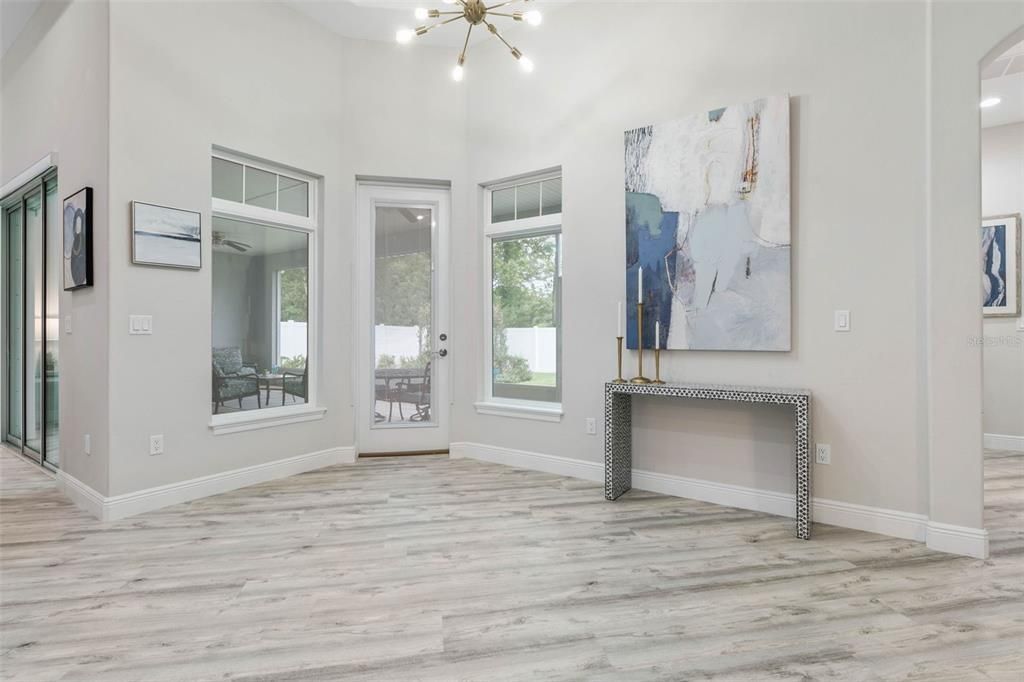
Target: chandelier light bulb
{"x": 458, "y": 73}
{"x": 422, "y": 13}
{"x": 526, "y": 64}
{"x": 449, "y": 2}
{"x": 404, "y": 35}
{"x": 533, "y": 17}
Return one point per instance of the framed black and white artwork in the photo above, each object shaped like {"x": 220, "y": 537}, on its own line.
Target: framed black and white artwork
{"x": 164, "y": 236}
{"x": 78, "y": 240}
{"x": 1001, "y": 263}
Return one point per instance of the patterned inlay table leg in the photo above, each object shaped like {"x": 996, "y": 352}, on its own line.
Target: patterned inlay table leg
{"x": 618, "y": 443}
{"x": 803, "y": 469}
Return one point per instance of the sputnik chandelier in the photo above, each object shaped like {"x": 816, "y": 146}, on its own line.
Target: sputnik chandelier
{"x": 475, "y": 12}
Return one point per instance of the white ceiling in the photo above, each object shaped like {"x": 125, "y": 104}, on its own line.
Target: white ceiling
{"x": 1004, "y": 78}
{"x": 379, "y": 19}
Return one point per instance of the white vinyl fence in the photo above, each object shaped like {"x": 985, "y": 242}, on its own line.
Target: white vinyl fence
{"x": 536, "y": 344}
{"x": 292, "y": 339}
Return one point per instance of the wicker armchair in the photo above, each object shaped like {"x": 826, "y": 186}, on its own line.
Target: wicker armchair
{"x": 232, "y": 378}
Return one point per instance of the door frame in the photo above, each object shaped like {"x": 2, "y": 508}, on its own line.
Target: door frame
{"x": 407, "y": 438}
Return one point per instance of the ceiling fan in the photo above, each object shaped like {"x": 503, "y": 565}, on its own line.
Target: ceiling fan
{"x": 220, "y": 240}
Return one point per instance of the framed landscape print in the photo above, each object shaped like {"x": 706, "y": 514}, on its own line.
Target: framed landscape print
{"x": 1000, "y": 265}
{"x": 78, "y": 240}
{"x": 169, "y": 237}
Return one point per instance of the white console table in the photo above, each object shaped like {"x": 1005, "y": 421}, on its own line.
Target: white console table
{"x": 618, "y": 449}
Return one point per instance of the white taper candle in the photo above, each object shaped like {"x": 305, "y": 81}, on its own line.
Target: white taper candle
{"x": 640, "y": 284}
{"x": 619, "y": 320}
{"x": 657, "y": 335}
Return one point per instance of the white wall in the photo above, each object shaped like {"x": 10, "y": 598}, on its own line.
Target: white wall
{"x": 859, "y": 149}
{"x": 1002, "y": 192}
{"x": 55, "y": 99}
{"x": 262, "y": 79}
{"x": 961, "y": 35}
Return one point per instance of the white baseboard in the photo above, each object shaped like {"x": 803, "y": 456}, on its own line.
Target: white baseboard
{"x": 890, "y": 522}
{"x": 130, "y": 504}
{"x": 999, "y": 441}
{"x": 83, "y": 496}
{"x": 944, "y": 537}
{"x": 535, "y": 461}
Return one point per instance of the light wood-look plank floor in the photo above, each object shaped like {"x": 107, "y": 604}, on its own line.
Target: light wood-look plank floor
{"x": 436, "y": 569}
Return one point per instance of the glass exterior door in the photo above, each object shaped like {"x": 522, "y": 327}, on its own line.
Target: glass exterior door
{"x": 31, "y": 279}
{"x": 403, "y": 373}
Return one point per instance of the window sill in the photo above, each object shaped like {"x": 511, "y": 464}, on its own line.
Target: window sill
{"x": 544, "y": 412}
{"x": 262, "y": 419}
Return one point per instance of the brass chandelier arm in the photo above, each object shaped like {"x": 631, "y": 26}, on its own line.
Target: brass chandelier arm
{"x": 502, "y": 4}
{"x": 492, "y": 29}
{"x": 423, "y": 29}
{"x": 465, "y": 45}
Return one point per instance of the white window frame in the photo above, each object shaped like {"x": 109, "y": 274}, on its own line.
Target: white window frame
{"x": 490, "y": 404}
{"x": 309, "y": 225}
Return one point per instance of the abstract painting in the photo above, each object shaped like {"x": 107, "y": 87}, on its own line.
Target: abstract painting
{"x": 166, "y": 236}
{"x": 78, "y": 240}
{"x": 1000, "y": 266}
{"x": 708, "y": 220}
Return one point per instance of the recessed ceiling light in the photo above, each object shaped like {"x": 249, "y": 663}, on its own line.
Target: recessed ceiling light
{"x": 990, "y": 102}
{"x": 419, "y": 217}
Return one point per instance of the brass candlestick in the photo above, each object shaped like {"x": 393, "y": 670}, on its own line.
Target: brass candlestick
{"x": 618, "y": 344}
{"x": 640, "y": 378}
{"x": 657, "y": 367}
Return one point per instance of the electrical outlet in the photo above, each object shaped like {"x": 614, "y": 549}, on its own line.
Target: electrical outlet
{"x": 156, "y": 445}
{"x": 591, "y": 426}
{"x": 88, "y": 444}
{"x": 823, "y": 454}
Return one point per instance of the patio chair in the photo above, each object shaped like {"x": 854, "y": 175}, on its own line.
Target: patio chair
{"x": 232, "y": 378}
{"x": 294, "y": 383}
{"x": 416, "y": 390}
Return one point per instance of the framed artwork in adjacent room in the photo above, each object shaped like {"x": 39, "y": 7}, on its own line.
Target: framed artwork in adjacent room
{"x": 1000, "y": 265}
{"x": 78, "y": 240}
{"x": 164, "y": 236}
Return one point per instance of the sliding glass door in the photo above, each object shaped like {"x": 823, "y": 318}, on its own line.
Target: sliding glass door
{"x": 14, "y": 305}
{"x": 31, "y": 257}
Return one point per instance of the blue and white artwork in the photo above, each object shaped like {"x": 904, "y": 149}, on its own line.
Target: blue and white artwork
{"x": 78, "y": 240}
{"x": 708, "y": 220}
{"x": 1000, "y": 266}
{"x": 166, "y": 236}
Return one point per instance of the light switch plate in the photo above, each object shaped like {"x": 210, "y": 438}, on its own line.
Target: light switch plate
{"x": 140, "y": 324}
{"x": 842, "y": 321}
